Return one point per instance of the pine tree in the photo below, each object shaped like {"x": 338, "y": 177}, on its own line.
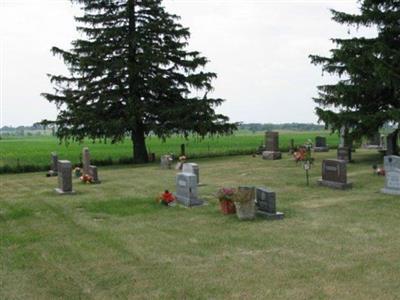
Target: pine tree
{"x": 367, "y": 96}
{"x": 131, "y": 74}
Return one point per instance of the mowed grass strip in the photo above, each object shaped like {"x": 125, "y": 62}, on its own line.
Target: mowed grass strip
{"x": 113, "y": 241}
{"x": 34, "y": 152}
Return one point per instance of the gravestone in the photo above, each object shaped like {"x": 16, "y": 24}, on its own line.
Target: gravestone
{"x": 93, "y": 171}
{"x": 266, "y": 204}
{"x": 272, "y": 146}
{"x": 86, "y": 161}
{"x": 64, "y": 169}
{"x": 166, "y": 162}
{"x": 344, "y": 153}
{"x": 392, "y": 170}
{"x": 192, "y": 168}
{"x": 53, "y": 164}
{"x": 186, "y": 190}
{"x": 334, "y": 174}
{"x": 320, "y": 144}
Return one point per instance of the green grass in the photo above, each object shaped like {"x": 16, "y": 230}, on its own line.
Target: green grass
{"x": 33, "y": 153}
{"x": 113, "y": 241}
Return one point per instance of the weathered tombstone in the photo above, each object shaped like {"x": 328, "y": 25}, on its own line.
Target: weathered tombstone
{"x": 392, "y": 170}
{"x": 334, "y": 174}
{"x": 186, "y": 190}
{"x": 344, "y": 153}
{"x": 382, "y": 142}
{"x": 93, "y": 171}
{"x": 192, "y": 168}
{"x": 266, "y": 204}
{"x": 320, "y": 144}
{"x": 166, "y": 162}
{"x": 64, "y": 169}
{"x": 86, "y": 161}
{"x": 342, "y": 137}
{"x": 272, "y": 146}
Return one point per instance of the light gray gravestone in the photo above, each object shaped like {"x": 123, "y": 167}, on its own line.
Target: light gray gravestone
{"x": 334, "y": 174}
{"x": 193, "y": 169}
{"x": 272, "y": 146}
{"x": 64, "y": 177}
{"x": 93, "y": 171}
{"x": 166, "y": 162}
{"x": 186, "y": 190}
{"x": 266, "y": 204}
{"x": 392, "y": 171}
{"x": 86, "y": 161}
{"x": 320, "y": 144}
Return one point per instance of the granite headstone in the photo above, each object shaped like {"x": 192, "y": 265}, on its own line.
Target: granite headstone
{"x": 334, "y": 174}
{"x": 392, "y": 170}
{"x": 186, "y": 190}
{"x": 64, "y": 169}
{"x": 266, "y": 204}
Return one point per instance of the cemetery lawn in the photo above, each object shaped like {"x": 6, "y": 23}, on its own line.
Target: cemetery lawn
{"x": 113, "y": 241}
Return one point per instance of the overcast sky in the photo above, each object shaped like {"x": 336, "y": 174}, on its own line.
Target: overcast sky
{"x": 258, "y": 48}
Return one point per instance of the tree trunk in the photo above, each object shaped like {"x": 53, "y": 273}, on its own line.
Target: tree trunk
{"x": 392, "y": 143}
{"x": 140, "y": 155}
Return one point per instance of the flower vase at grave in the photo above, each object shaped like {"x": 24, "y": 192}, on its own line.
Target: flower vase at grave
{"x": 227, "y": 207}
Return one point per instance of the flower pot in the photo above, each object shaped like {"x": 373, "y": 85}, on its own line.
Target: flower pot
{"x": 227, "y": 207}
{"x": 246, "y": 210}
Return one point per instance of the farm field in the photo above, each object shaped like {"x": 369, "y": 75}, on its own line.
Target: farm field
{"x": 34, "y": 152}
{"x": 113, "y": 241}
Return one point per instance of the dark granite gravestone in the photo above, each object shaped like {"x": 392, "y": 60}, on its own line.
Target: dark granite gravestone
{"x": 320, "y": 144}
{"x": 392, "y": 170}
{"x": 266, "y": 204}
{"x": 272, "y": 146}
{"x": 186, "y": 190}
{"x": 344, "y": 153}
{"x": 334, "y": 174}
{"x": 64, "y": 169}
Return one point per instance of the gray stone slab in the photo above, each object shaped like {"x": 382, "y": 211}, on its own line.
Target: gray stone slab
{"x": 86, "y": 161}
{"x": 186, "y": 190}
{"x": 64, "y": 177}
{"x": 277, "y": 216}
{"x": 392, "y": 178}
{"x": 335, "y": 184}
{"x": 269, "y": 155}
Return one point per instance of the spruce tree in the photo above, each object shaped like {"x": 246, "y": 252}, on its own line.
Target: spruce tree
{"x": 368, "y": 93}
{"x": 131, "y": 74}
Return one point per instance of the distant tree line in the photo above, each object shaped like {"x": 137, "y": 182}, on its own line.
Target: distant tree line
{"x": 254, "y": 127}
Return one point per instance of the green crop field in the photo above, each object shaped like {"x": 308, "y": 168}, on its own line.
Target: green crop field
{"x": 112, "y": 241}
{"x": 33, "y": 153}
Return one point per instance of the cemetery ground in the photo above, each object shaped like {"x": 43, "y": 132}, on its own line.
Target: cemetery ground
{"x": 113, "y": 241}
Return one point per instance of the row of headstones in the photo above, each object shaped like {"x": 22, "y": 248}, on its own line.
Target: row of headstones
{"x": 272, "y": 147}
{"x": 63, "y": 169}
{"x": 187, "y": 195}
{"x": 334, "y": 174}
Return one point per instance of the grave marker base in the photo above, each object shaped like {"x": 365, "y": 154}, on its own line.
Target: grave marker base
{"x": 271, "y": 155}
{"x": 335, "y": 185}
{"x": 277, "y": 216}
{"x": 321, "y": 149}
{"x": 390, "y": 191}
{"x": 61, "y": 192}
